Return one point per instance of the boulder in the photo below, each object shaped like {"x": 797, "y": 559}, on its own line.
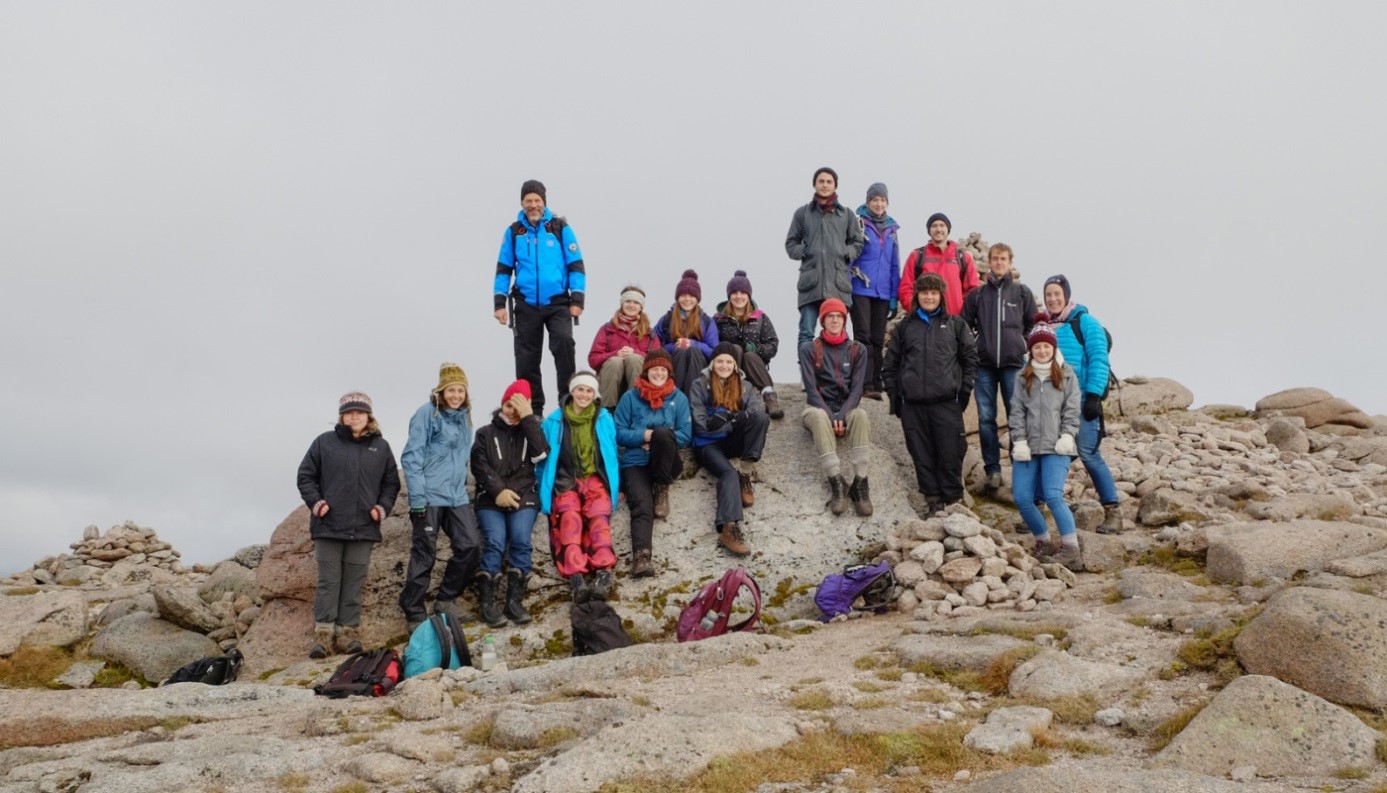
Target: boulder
{"x": 1288, "y": 435}
{"x": 382, "y": 768}
{"x": 419, "y": 699}
{"x": 229, "y": 576}
{"x": 1281, "y": 730}
{"x": 954, "y": 653}
{"x": 1167, "y": 506}
{"x": 1250, "y": 552}
{"x": 1155, "y": 395}
{"x": 183, "y": 607}
{"x": 1008, "y": 729}
{"x": 537, "y": 726}
{"x": 1338, "y": 505}
{"x": 1328, "y": 642}
{"x": 1054, "y": 674}
{"x": 1292, "y": 398}
{"x": 1075, "y": 778}
{"x": 150, "y": 647}
{"x": 249, "y": 557}
{"x": 53, "y": 619}
{"x": 1145, "y": 583}
{"x": 1102, "y": 553}
{"x": 1330, "y": 411}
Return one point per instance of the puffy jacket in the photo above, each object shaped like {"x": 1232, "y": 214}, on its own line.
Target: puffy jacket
{"x": 1045, "y": 412}
{"x": 932, "y": 361}
{"x": 756, "y": 334}
{"x": 504, "y": 457}
{"x": 945, "y": 265}
{"x": 634, "y": 416}
{"x": 880, "y": 260}
{"x": 708, "y": 328}
{"x": 556, "y": 434}
{"x": 351, "y": 475}
{"x": 833, "y": 383}
{"x": 545, "y": 269}
{"x": 1090, "y": 361}
{"x": 1001, "y": 314}
{"x": 824, "y": 245}
{"x": 610, "y": 338}
{"x": 700, "y": 408}
{"x": 435, "y": 457}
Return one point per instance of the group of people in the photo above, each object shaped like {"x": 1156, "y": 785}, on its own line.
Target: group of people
{"x": 693, "y": 389}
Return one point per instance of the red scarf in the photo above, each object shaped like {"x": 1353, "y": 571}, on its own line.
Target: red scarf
{"x": 835, "y": 340}
{"x": 654, "y": 394}
{"x": 826, "y": 204}
{"x": 626, "y": 323}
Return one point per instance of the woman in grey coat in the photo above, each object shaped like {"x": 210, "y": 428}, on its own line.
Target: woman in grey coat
{"x": 1043, "y": 419}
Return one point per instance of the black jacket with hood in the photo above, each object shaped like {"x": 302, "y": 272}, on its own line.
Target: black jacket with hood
{"x": 351, "y": 475}
{"x": 934, "y": 361}
{"x": 1001, "y": 314}
{"x": 504, "y": 457}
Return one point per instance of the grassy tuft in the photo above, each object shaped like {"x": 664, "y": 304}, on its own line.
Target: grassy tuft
{"x": 891, "y": 674}
{"x": 480, "y": 733}
{"x": 1213, "y": 654}
{"x": 352, "y": 787}
{"x": 868, "y": 687}
{"x": 555, "y": 736}
{"x": 813, "y": 699}
{"x": 47, "y": 731}
{"x": 1165, "y": 557}
{"x": 1075, "y": 710}
{"x": 115, "y": 676}
{"x": 1025, "y": 632}
{"x": 871, "y": 703}
{"x": 868, "y": 662}
{"x": 33, "y": 667}
{"x": 1352, "y": 772}
{"x": 1382, "y": 750}
{"x": 20, "y": 591}
{"x": 997, "y": 678}
{"x": 293, "y": 781}
{"x": 1166, "y": 731}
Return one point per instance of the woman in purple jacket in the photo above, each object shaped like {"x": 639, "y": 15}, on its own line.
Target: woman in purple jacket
{"x": 876, "y": 276}
{"x": 687, "y": 334}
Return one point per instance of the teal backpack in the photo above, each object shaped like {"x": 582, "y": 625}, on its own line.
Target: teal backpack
{"x": 438, "y": 642}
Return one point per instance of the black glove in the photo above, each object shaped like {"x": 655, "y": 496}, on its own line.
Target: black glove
{"x": 1093, "y": 407}
{"x": 717, "y": 421}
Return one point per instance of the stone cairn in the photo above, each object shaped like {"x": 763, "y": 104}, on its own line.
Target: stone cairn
{"x": 97, "y": 552}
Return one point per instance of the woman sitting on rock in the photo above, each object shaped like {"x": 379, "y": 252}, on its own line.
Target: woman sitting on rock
{"x": 619, "y": 349}
{"x": 349, "y": 482}
{"x": 652, "y": 424}
{"x": 1042, "y": 419}
{"x": 688, "y": 335}
{"x": 740, "y": 322}
{"x": 729, "y": 423}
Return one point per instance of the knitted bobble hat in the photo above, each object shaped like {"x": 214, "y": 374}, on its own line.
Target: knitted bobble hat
{"x": 355, "y": 400}
{"x": 832, "y": 306}
{"x": 450, "y": 373}
{"x": 657, "y": 357}
{"x": 688, "y": 285}
{"x": 521, "y": 387}
{"x": 739, "y": 283}
{"x": 727, "y": 348}
{"x": 1041, "y": 333}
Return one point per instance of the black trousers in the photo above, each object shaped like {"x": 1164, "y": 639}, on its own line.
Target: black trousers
{"x": 530, "y": 324}
{"x": 638, "y": 483}
{"x": 934, "y": 437}
{"x": 460, "y": 524}
{"x": 757, "y": 371}
{"x": 689, "y": 363}
{"x": 747, "y": 440}
{"x": 869, "y": 327}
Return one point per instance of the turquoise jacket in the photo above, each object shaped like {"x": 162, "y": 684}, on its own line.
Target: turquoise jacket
{"x": 1089, "y": 361}
{"x": 436, "y": 457}
{"x": 634, "y": 416}
{"x": 555, "y": 430}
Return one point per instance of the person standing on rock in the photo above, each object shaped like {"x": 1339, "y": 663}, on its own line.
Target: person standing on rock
{"x": 740, "y": 322}
{"x": 1001, "y": 312}
{"x": 435, "y": 463}
{"x": 652, "y": 424}
{"x": 1043, "y": 420}
{"x": 729, "y": 423}
{"x": 503, "y": 468}
{"x": 834, "y": 370}
{"x": 578, "y": 488}
{"x": 619, "y": 349}
{"x": 540, "y": 271}
{"x": 944, "y": 258}
{"x": 876, "y": 279}
{"x": 931, "y": 362}
{"x": 825, "y": 238}
{"x": 688, "y": 335}
{"x": 349, "y": 482}
{"x": 1084, "y": 344}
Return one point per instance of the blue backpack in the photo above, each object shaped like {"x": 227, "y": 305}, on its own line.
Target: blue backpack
{"x": 874, "y": 583}
{"x": 438, "y": 642}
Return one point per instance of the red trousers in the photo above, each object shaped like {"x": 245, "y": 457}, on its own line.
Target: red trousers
{"x": 580, "y": 529}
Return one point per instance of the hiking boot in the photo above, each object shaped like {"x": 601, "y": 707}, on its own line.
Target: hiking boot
{"x": 661, "y": 501}
{"x": 581, "y": 592}
{"x": 993, "y": 483}
{"x": 730, "y": 538}
{"x": 641, "y": 564}
{"x": 686, "y": 456}
{"x": 322, "y": 641}
{"x": 773, "y": 408}
{"x": 347, "y": 641}
{"x": 1067, "y": 557}
{"x": 602, "y": 584}
{"x": 838, "y": 498}
{"x": 1044, "y": 547}
{"x": 516, "y": 583}
{"x": 486, "y": 599}
{"x": 452, "y": 609}
{"x": 748, "y": 491}
{"x": 861, "y": 496}
{"x": 1112, "y": 520}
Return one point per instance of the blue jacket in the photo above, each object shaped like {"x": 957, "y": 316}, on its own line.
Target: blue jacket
{"x": 1090, "y": 362}
{"x": 634, "y": 416}
{"x": 880, "y": 260}
{"x": 546, "y": 269}
{"x": 704, "y": 345}
{"x": 554, "y": 430}
{"x": 436, "y": 457}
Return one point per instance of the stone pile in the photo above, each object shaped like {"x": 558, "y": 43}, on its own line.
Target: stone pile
{"x": 975, "y": 245}
{"x": 127, "y": 545}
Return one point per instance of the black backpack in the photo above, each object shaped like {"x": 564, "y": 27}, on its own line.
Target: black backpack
{"x": 369, "y": 674}
{"x": 1079, "y": 337}
{"x": 597, "y": 629}
{"x": 218, "y": 670}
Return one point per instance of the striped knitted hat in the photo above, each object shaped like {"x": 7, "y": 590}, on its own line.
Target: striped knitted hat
{"x": 354, "y": 400}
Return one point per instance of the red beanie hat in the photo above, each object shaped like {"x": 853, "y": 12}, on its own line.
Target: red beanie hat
{"x": 832, "y": 306}
{"x": 521, "y": 387}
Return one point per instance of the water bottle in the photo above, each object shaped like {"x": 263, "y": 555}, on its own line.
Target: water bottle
{"x": 709, "y": 620}
{"x": 488, "y": 653}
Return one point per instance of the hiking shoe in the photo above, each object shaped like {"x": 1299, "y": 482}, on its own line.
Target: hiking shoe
{"x": 1044, "y": 547}
{"x": 641, "y": 564}
{"x": 861, "y": 496}
{"x": 452, "y": 609}
{"x": 993, "y": 483}
{"x": 347, "y": 641}
{"x": 686, "y": 456}
{"x": 582, "y": 593}
{"x": 1112, "y": 520}
{"x": 516, "y": 583}
{"x": 602, "y": 584}
{"x": 1067, "y": 557}
{"x": 730, "y": 538}
{"x": 748, "y": 491}
{"x": 661, "y": 501}
{"x": 773, "y": 408}
{"x": 322, "y": 642}
{"x": 838, "y": 495}
{"x": 486, "y": 599}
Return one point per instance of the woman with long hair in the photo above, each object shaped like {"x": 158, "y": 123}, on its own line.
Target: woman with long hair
{"x": 742, "y": 323}
{"x": 688, "y": 335}
{"x": 619, "y": 349}
{"x": 729, "y": 423}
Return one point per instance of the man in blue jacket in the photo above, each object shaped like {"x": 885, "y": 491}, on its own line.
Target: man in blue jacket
{"x": 540, "y": 270}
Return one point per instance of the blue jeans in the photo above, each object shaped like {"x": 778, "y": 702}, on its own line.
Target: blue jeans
{"x": 808, "y": 321}
{"x": 985, "y": 389}
{"x": 1042, "y": 475}
{"x": 1092, "y": 459}
{"x": 509, "y": 531}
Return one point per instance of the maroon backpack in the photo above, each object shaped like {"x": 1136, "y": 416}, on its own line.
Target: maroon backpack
{"x": 710, "y": 611}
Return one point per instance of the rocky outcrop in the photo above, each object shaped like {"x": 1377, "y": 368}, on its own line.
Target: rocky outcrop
{"x": 1248, "y": 552}
{"x": 1315, "y": 406}
{"x": 150, "y": 647}
{"x": 48, "y": 618}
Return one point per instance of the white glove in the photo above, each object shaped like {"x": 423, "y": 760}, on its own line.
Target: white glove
{"x": 1020, "y": 451}
{"x": 1065, "y": 445}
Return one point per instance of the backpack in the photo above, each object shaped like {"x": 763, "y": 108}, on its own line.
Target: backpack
{"x": 962, "y": 265}
{"x": 437, "y": 643}
{"x": 1079, "y": 337}
{"x": 370, "y": 674}
{"x": 874, "y": 583}
{"x": 710, "y": 611}
{"x": 218, "y": 670}
{"x": 596, "y": 628}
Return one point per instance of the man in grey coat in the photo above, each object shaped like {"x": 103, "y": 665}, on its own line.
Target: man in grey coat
{"x": 825, "y": 238}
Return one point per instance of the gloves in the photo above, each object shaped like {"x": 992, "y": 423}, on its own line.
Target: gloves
{"x": 522, "y": 406}
{"x": 320, "y": 508}
{"x": 1065, "y": 446}
{"x": 508, "y": 499}
{"x": 751, "y": 346}
{"x": 1093, "y": 407}
{"x": 893, "y": 309}
{"x": 417, "y": 513}
{"x": 1020, "y": 452}
{"x": 717, "y": 421}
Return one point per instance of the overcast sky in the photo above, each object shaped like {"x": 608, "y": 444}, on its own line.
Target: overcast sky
{"x": 217, "y": 218}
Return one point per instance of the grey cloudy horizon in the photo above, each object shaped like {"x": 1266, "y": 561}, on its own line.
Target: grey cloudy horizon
{"x": 216, "y": 219}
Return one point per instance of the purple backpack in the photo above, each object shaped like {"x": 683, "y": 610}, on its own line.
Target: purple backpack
{"x": 710, "y": 611}
{"x": 874, "y": 583}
